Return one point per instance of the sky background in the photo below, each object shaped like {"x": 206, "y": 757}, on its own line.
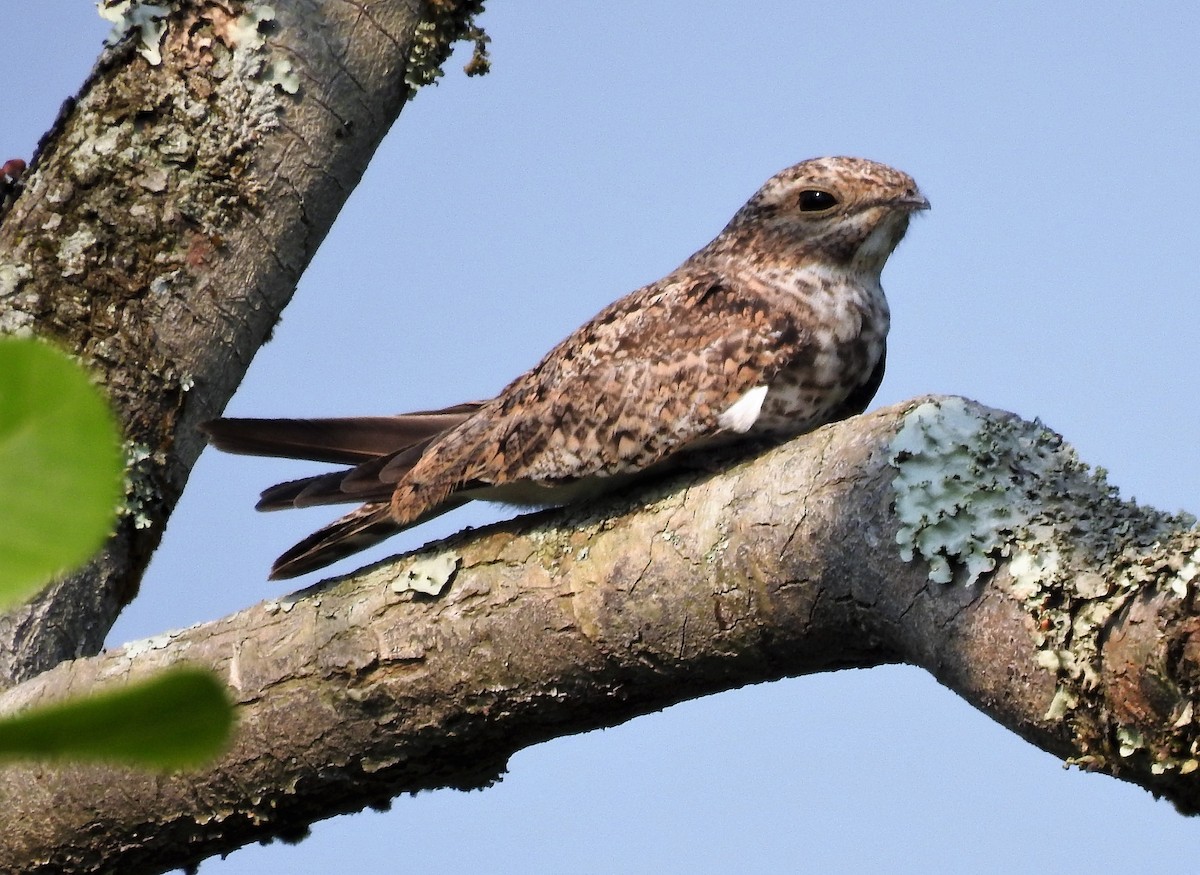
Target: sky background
{"x": 1054, "y": 277}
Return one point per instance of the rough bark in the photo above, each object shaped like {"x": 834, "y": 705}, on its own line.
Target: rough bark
{"x": 164, "y": 224}
{"x": 789, "y": 563}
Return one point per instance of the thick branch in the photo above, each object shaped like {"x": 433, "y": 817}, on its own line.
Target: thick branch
{"x": 166, "y": 220}
{"x": 361, "y": 688}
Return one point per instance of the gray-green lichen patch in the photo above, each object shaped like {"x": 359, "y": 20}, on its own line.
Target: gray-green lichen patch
{"x": 247, "y": 30}
{"x": 190, "y": 161}
{"x": 135, "y": 649}
{"x": 73, "y": 251}
{"x": 958, "y": 486}
{"x": 140, "y": 494}
{"x": 15, "y": 318}
{"x": 974, "y": 486}
{"x": 433, "y": 37}
{"x": 146, "y": 19}
{"x": 247, "y": 34}
{"x": 1170, "y": 566}
{"x": 282, "y": 75}
{"x": 425, "y": 59}
{"x": 428, "y": 575}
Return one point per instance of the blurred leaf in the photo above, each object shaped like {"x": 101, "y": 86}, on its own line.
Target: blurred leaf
{"x": 179, "y": 718}
{"x": 60, "y": 467}
{"x": 60, "y": 482}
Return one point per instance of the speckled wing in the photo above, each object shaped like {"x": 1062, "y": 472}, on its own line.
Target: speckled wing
{"x": 647, "y": 377}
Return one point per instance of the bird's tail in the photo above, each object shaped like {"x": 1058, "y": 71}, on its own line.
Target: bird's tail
{"x": 353, "y": 532}
{"x": 348, "y": 441}
{"x": 356, "y": 531}
{"x": 380, "y": 449}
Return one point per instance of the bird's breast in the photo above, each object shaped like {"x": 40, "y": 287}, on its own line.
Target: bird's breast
{"x": 844, "y": 320}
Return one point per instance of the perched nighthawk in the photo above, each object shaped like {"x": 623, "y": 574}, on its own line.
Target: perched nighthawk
{"x": 774, "y": 328}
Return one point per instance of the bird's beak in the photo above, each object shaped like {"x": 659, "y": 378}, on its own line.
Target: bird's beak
{"x": 915, "y": 201}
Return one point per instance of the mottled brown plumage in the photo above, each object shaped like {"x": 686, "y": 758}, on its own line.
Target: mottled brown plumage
{"x": 774, "y": 328}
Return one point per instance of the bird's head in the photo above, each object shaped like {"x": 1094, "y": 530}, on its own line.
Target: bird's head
{"x": 838, "y": 211}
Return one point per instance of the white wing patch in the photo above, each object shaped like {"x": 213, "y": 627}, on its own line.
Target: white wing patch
{"x": 743, "y": 413}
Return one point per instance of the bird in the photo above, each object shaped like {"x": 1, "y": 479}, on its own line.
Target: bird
{"x": 774, "y": 328}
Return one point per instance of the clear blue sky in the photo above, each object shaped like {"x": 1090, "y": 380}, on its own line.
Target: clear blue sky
{"x": 1055, "y": 277}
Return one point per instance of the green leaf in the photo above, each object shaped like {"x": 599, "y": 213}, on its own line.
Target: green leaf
{"x": 176, "y": 719}
{"x": 60, "y": 467}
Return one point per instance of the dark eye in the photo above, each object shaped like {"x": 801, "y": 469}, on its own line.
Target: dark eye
{"x": 813, "y": 201}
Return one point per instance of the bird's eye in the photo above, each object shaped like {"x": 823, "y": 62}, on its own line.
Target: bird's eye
{"x": 814, "y": 201}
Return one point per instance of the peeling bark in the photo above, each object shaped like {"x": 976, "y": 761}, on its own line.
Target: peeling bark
{"x": 367, "y": 686}
{"x": 165, "y": 221}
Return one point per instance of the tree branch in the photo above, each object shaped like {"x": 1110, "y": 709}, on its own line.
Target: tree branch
{"x": 166, "y": 220}
{"x": 364, "y": 687}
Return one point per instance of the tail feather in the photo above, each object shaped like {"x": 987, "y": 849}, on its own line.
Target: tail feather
{"x": 370, "y": 481}
{"x": 347, "y": 441}
{"x": 381, "y": 450}
{"x": 356, "y": 531}
{"x": 321, "y": 489}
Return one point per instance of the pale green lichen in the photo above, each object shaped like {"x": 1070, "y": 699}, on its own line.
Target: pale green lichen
{"x": 15, "y": 320}
{"x": 161, "y": 285}
{"x": 128, "y": 16}
{"x": 11, "y": 277}
{"x": 247, "y": 30}
{"x": 428, "y": 575}
{"x": 282, "y": 75}
{"x": 1129, "y": 740}
{"x": 248, "y": 36}
{"x": 1181, "y": 582}
{"x": 196, "y": 165}
{"x": 957, "y": 486}
{"x": 140, "y": 494}
{"x": 424, "y": 60}
{"x": 141, "y": 647}
{"x": 72, "y": 251}
{"x": 432, "y": 39}
{"x": 975, "y": 486}
{"x": 1062, "y": 703}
